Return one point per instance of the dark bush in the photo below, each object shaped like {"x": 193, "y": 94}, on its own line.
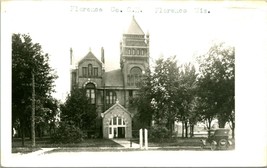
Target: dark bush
{"x": 158, "y": 133}
{"x": 67, "y": 133}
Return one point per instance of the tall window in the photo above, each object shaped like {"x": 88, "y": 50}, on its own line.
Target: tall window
{"x": 111, "y": 97}
{"x": 129, "y": 51}
{"x": 84, "y": 71}
{"x": 130, "y": 96}
{"x": 73, "y": 77}
{"x": 142, "y": 52}
{"x": 90, "y": 93}
{"x": 90, "y": 70}
{"x": 133, "y": 51}
{"x": 95, "y": 71}
{"x": 138, "y": 52}
{"x": 135, "y": 76}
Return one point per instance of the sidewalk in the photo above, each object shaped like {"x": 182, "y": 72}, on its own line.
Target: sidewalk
{"x": 126, "y": 143}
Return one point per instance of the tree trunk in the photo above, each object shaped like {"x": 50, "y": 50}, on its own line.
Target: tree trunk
{"x": 186, "y": 129}
{"x": 182, "y": 129}
{"x": 209, "y": 126}
{"x": 233, "y": 130}
{"x": 170, "y": 128}
{"x": 50, "y": 130}
{"x": 221, "y": 122}
{"x": 192, "y": 130}
{"x": 22, "y": 128}
{"x": 33, "y": 111}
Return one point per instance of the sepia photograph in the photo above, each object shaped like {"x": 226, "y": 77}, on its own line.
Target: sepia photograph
{"x": 131, "y": 83}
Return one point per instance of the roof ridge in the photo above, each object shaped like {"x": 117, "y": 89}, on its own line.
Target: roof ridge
{"x": 90, "y": 53}
{"x": 113, "y": 106}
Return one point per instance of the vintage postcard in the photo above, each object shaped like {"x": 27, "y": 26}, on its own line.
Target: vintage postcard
{"x": 133, "y": 83}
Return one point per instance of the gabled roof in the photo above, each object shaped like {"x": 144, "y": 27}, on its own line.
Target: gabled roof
{"x": 113, "y": 78}
{"x": 117, "y": 104}
{"x": 134, "y": 28}
{"x": 89, "y": 55}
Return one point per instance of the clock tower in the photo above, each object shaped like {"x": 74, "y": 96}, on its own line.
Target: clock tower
{"x": 134, "y": 54}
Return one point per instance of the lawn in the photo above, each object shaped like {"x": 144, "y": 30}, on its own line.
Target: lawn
{"x": 99, "y": 145}
{"x": 46, "y": 143}
{"x": 24, "y": 149}
{"x": 177, "y": 142}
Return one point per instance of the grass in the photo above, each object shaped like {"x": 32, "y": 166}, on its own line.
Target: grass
{"x": 103, "y": 145}
{"x": 25, "y": 150}
{"x": 169, "y": 142}
{"x": 46, "y": 143}
{"x": 85, "y": 149}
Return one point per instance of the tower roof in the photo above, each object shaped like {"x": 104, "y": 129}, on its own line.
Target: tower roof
{"x": 134, "y": 28}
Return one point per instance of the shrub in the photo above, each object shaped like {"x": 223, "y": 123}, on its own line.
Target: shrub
{"x": 67, "y": 133}
{"x": 158, "y": 133}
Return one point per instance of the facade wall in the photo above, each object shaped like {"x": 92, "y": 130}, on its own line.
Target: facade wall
{"x": 117, "y": 111}
{"x": 134, "y": 53}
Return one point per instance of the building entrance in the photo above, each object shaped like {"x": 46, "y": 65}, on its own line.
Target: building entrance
{"x": 117, "y": 128}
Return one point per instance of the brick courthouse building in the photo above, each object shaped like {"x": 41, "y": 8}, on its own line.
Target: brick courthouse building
{"x": 111, "y": 91}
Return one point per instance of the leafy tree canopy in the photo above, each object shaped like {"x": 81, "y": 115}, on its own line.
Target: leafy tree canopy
{"x": 27, "y": 59}
{"x": 77, "y": 109}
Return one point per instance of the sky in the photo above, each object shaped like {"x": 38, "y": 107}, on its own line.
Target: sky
{"x": 57, "y": 26}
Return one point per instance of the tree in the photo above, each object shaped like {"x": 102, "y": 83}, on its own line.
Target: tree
{"x": 216, "y": 83}
{"x": 77, "y": 110}
{"x": 185, "y": 101}
{"x": 143, "y": 101}
{"x": 155, "y": 100}
{"x": 164, "y": 86}
{"x": 47, "y": 114}
{"x": 168, "y": 95}
{"x": 28, "y": 61}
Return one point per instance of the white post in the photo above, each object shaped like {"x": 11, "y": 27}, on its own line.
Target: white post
{"x": 146, "y": 143}
{"x": 141, "y": 138}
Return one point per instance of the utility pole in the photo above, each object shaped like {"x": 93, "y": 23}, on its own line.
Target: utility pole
{"x": 33, "y": 111}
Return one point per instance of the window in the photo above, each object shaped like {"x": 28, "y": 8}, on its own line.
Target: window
{"x": 119, "y": 121}
{"x": 73, "y": 77}
{"x": 135, "y": 76}
{"x": 111, "y": 97}
{"x": 115, "y": 121}
{"x": 90, "y": 93}
{"x": 90, "y": 70}
{"x": 129, "y": 51}
{"x": 84, "y": 71}
{"x": 133, "y": 51}
{"x": 130, "y": 93}
{"x": 138, "y": 52}
{"x": 95, "y": 71}
{"x": 142, "y": 52}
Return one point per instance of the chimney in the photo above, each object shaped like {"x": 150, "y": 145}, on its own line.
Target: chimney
{"x": 71, "y": 56}
{"x": 102, "y": 55}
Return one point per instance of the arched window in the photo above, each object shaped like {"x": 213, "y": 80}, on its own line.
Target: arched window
{"x": 90, "y": 93}
{"x": 136, "y": 71}
{"x": 90, "y": 70}
{"x": 129, "y": 51}
{"x": 142, "y": 52}
{"x": 111, "y": 97}
{"x": 135, "y": 76}
{"x": 84, "y": 71}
